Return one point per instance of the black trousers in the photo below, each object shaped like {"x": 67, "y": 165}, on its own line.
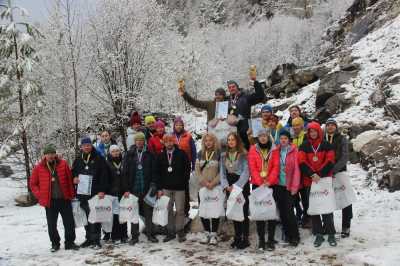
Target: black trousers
{"x": 327, "y": 227}
{"x": 63, "y": 207}
{"x": 119, "y": 231}
{"x": 347, "y": 215}
{"x": 147, "y": 212}
{"x": 284, "y": 202}
{"x": 93, "y": 230}
{"x": 210, "y": 225}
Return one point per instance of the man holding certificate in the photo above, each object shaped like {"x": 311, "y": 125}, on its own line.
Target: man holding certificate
{"x": 90, "y": 175}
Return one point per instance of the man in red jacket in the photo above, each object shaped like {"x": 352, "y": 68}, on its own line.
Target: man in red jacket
{"x": 51, "y": 183}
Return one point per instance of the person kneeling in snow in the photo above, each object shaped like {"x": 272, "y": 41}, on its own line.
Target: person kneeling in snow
{"x": 51, "y": 183}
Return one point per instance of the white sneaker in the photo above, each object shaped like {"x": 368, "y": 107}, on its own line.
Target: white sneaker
{"x": 206, "y": 238}
{"x": 213, "y": 239}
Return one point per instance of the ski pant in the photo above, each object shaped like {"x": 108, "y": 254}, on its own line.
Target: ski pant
{"x": 63, "y": 207}
{"x": 93, "y": 230}
{"x": 284, "y": 203}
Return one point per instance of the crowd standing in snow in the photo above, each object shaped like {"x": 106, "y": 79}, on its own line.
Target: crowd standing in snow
{"x": 273, "y": 173}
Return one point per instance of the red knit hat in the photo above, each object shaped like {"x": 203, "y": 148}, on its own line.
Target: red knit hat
{"x": 135, "y": 118}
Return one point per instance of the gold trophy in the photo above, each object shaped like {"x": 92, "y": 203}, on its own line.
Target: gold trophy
{"x": 181, "y": 86}
{"x": 253, "y": 72}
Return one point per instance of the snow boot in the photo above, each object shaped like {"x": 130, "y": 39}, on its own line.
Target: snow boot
{"x": 332, "y": 240}
{"x": 55, "y": 247}
{"x": 244, "y": 243}
{"x": 270, "y": 246}
{"x": 86, "y": 244}
{"x": 319, "y": 239}
{"x": 261, "y": 244}
{"x": 71, "y": 246}
{"x": 345, "y": 233}
{"x": 236, "y": 242}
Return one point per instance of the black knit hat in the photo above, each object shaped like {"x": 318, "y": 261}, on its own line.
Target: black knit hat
{"x": 284, "y": 132}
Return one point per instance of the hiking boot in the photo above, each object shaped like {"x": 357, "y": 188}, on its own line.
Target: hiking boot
{"x": 152, "y": 239}
{"x": 213, "y": 239}
{"x": 319, "y": 239}
{"x": 261, "y": 245}
{"x": 55, "y": 247}
{"x": 270, "y": 246}
{"x": 332, "y": 240}
{"x": 86, "y": 244}
{"x": 71, "y": 246}
{"x": 236, "y": 242}
{"x": 169, "y": 238}
{"x": 206, "y": 238}
{"x": 134, "y": 241}
{"x": 244, "y": 243}
{"x": 345, "y": 233}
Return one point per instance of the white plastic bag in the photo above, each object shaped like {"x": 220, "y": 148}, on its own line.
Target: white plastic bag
{"x": 234, "y": 205}
{"x": 211, "y": 202}
{"x": 322, "y": 197}
{"x": 262, "y": 205}
{"x": 80, "y": 218}
{"x": 344, "y": 192}
{"x": 100, "y": 210}
{"x": 160, "y": 211}
{"x": 129, "y": 210}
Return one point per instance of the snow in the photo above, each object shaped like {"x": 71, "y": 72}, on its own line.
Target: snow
{"x": 375, "y": 238}
{"x": 364, "y": 138}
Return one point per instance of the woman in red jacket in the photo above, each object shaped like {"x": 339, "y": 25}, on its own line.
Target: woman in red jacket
{"x": 155, "y": 144}
{"x": 316, "y": 159}
{"x": 259, "y": 155}
{"x": 51, "y": 184}
{"x": 284, "y": 175}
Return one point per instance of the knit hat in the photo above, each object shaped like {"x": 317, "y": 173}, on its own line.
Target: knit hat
{"x": 331, "y": 121}
{"x": 159, "y": 124}
{"x": 139, "y": 136}
{"x": 177, "y": 120}
{"x": 230, "y": 82}
{"x": 284, "y": 132}
{"x": 86, "y": 140}
{"x": 298, "y": 121}
{"x": 49, "y": 149}
{"x": 264, "y": 131}
{"x": 135, "y": 119}
{"x": 114, "y": 148}
{"x": 220, "y": 91}
{"x": 149, "y": 119}
{"x": 266, "y": 108}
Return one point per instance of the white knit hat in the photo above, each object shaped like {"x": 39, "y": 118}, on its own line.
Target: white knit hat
{"x": 114, "y": 147}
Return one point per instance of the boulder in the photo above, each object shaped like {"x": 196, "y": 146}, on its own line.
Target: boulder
{"x": 393, "y": 110}
{"x": 6, "y": 171}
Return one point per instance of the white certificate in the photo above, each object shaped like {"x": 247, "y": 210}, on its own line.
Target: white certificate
{"x": 256, "y": 126}
{"x": 85, "y": 185}
{"x": 221, "y": 110}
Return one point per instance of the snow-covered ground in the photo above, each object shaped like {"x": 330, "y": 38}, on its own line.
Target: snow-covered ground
{"x": 375, "y": 238}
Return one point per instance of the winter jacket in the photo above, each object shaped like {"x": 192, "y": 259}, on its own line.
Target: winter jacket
{"x": 130, "y": 167}
{"x": 186, "y": 143}
{"x": 298, "y": 140}
{"x": 208, "y": 172}
{"x": 155, "y": 144}
{"x": 255, "y": 160}
{"x": 115, "y": 176}
{"x": 292, "y": 169}
{"x": 340, "y": 144}
{"x": 40, "y": 181}
{"x": 245, "y": 101}
{"x": 240, "y": 167}
{"x": 178, "y": 179}
{"x": 326, "y": 156}
{"x": 275, "y": 135}
{"x": 97, "y": 168}
{"x": 209, "y": 106}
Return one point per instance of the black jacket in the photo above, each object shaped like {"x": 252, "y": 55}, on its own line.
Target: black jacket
{"x": 130, "y": 166}
{"x": 246, "y": 101}
{"x": 114, "y": 177}
{"x": 341, "y": 146}
{"x": 178, "y": 179}
{"x": 97, "y": 168}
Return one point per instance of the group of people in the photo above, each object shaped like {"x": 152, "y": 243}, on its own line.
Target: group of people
{"x": 287, "y": 158}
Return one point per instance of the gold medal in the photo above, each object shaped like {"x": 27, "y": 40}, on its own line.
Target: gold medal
{"x": 263, "y": 174}
{"x": 53, "y": 179}
{"x": 315, "y": 159}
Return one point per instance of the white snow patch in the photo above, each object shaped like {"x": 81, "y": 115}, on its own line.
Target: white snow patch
{"x": 365, "y": 138}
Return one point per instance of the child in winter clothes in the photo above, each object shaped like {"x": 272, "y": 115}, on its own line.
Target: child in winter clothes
{"x": 155, "y": 143}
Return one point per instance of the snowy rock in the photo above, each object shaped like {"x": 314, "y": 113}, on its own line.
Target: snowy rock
{"x": 364, "y": 138}
{"x": 5, "y": 171}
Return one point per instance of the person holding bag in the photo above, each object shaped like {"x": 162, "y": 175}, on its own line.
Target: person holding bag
{"x": 138, "y": 177}
{"x": 258, "y": 159}
{"x": 234, "y": 172}
{"x": 341, "y": 146}
{"x": 207, "y": 172}
{"x": 317, "y": 159}
{"x": 114, "y": 163}
{"x": 284, "y": 176}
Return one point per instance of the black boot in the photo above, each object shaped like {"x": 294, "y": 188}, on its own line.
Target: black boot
{"x": 86, "y": 244}
{"x": 345, "y": 232}
{"x": 244, "y": 243}
{"x": 71, "y": 246}
{"x": 152, "y": 238}
{"x": 270, "y": 245}
{"x": 134, "y": 241}
{"x": 261, "y": 244}
{"x": 169, "y": 237}
{"x": 236, "y": 242}
{"x": 55, "y": 247}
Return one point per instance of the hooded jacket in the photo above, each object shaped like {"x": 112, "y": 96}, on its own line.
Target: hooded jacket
{"x": 325, "y": 155}
{"x": 340, "y": 144}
